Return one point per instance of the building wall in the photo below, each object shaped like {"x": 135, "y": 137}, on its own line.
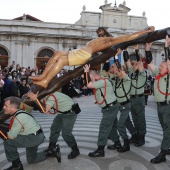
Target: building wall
{"x": 23, "y": 39}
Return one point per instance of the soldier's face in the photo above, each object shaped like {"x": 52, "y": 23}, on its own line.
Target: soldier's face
{"x": 112, "y": 69}
{"x": 118, "y": 73}
{"x": 163, "y": 68}
{"x": 7, "y": 108}
{"x": 135, "y": 65}
{"x": 92, "y": 78}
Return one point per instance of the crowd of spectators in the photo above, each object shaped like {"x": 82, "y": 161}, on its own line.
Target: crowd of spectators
{"x": 14, "y": 81}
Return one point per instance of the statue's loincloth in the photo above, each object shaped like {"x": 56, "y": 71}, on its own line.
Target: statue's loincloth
{"x": 78, "y": 57}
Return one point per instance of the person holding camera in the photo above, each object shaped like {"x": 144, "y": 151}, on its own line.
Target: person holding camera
{"x": 64, "y": 121}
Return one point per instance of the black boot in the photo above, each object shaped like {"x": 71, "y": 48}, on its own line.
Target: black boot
{"x": 168, "y": 152}
{"x": 48, "y": 151}
{"x": 16, "y": 165}
{"x": 133, "y": 139}
{"x": 53, "y": 151}
{"x": 160, "y": 158}
{"x": 140, "y": 141}
{"x": 74, "y": 153}
{"x": 98, "y": 153}
{"x": 126, "y": 146}
{"x": 116, "y": 145}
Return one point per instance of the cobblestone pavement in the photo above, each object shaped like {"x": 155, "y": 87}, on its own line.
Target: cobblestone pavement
{"x": 86, "y": 133}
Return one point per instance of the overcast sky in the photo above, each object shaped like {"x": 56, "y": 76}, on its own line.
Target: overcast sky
{"x": 68, "y": 11}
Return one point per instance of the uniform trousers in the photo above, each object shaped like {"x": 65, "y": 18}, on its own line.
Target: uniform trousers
{"x": 138, "y": 114}
{"x": 64, "y": 123}
{"x": 164, "y": 118}
{"x": 108, "y": 127}
{"x": 30, "y": 142}
{"x": 124, "y": 120}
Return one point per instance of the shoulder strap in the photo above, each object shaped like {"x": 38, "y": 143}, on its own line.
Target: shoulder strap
{"x": 137, "y": 81}
{"x": 104, "y": 97}
{"x": 167, "y": 87}
{"x": 125, "y": 91}
{"x": 24, "y": 113}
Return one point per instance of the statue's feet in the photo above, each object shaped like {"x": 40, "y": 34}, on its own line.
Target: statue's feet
{"x": 37, "y": 78}
{"x": 42, "y": 83}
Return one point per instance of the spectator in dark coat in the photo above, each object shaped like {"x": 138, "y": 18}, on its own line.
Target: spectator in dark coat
{"x": 14, "y": 88}
{"x": 23, "y": 87}
{"x": 8, "y": 81}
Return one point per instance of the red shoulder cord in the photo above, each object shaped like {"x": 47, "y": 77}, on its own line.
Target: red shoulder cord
{"x": 12, "y": 121}
{"x": 104, "y": 93}
{"x": 158, "y": 86}
{"x": 56, "y": 104}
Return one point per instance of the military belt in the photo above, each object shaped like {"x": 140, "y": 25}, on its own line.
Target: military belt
{"x": 37, "y": 132}
{"x": 136, "y": 95}
{"x": 109, "y": 105}
{"x": 68, "y": 111}
{"x": 123, "y": 103}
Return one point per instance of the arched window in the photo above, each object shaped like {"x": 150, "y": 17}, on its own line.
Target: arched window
{"x": 3, "y": 52}
{"x": 42, "y": 58}
{"x": 46, "y": 53}
{"x": 4, "y": 57}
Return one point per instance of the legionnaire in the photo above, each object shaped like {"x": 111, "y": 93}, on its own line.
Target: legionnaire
{"x": 138, "y": 77}
{"x": 64, "y": 121}
{"x": 162, "y": 97}
{"x": 111, "y": 75}
{"x": 106, "y": 99}
{"x": 24, "y": 132}
{"x": 122, "y": 87}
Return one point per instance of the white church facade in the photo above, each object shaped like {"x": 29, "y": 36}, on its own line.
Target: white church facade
{"x": 30, "y": 42}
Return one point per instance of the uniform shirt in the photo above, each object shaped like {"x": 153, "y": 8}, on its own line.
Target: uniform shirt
{"x": 137, "y": 83}
{"x": 159, "y": 97}
{"x": 120, "y": 94}
{"x": 110, "y": 96}
{"x": 64, "y": 102}
{"x": 108, "y": 75}
{"x": 23, "y": 125}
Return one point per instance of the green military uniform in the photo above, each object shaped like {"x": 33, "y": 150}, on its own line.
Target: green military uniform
{"x": 122, "y": 92}
{"x": 27, "y": 134}
{"x": 138, "y": 100}
{"x": 163, "y": 107}
{"x": 110, "y": 109}
{"x": 65, "y": 119}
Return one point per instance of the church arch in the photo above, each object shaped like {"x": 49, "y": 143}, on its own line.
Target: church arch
{"x": 43, "y": 56}
{"x": 3, "y": 57}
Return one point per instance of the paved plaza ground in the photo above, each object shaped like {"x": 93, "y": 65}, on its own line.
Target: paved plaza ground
{"x": 86, "y": 133}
